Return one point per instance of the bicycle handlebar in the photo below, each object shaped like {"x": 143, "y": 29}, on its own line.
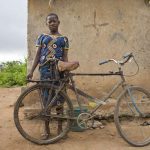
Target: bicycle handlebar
{"x": 104, "y": 62}
{"x": 126, "y": 58}
{"x": 127, "y": 55}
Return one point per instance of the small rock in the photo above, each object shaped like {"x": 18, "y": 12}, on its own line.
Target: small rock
{"x": 11, "y": 105}
{"x": 111, "y": 134}
{"x": 101, "y": 126}
{"x": 97, "y": 125}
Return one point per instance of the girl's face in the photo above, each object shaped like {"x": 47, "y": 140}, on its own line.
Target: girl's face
{"x": 52, "y": 23}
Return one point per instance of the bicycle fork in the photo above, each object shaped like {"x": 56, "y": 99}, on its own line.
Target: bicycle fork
{"x": 133, "y": 100}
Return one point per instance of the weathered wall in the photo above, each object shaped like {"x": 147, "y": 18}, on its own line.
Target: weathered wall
{"x": 97, "y": 29}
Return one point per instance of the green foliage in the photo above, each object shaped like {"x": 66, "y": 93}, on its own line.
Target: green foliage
{"x": 13, "y": 73}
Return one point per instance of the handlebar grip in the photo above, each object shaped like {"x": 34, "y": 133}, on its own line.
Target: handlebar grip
{"x": 127, "y": 55}
{"x": 103, "y": 62}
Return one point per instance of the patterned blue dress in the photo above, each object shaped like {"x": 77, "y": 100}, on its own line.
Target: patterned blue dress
{"x": 50, "y": 48}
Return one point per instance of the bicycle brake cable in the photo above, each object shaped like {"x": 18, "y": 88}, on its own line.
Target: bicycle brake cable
{"x": 136, "y": 71}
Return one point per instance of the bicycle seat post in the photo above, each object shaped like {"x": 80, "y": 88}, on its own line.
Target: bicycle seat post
{"x": 76, "y": 93}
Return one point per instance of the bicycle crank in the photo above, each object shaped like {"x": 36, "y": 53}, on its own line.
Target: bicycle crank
{"x": 85, "y": 120}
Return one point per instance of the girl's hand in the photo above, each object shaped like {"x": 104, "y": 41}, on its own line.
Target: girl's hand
{"x": 30, "y": 75}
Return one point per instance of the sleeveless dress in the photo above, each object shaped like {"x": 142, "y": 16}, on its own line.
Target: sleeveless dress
{"x": 51, "y": 47}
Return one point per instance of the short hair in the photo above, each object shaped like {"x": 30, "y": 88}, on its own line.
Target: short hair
{"x": 52, "y": 14}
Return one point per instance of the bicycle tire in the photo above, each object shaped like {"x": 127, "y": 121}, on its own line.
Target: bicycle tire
{"x": 125, "y": 121}
{"x": 19, "y": 116}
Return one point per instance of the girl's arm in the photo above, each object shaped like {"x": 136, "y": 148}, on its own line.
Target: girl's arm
{"x": 65, "y": 56}
{"x": 35, "y": 63}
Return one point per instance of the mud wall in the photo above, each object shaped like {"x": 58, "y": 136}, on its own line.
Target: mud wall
{"x": 97, "y": 30}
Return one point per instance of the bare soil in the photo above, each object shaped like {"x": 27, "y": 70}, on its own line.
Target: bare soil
{"x": 95, "y": 139}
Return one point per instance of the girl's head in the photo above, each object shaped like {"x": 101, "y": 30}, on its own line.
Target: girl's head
{"x": 52, "y": 21}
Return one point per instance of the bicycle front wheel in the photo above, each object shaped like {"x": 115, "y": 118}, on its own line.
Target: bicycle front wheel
{"x": 132, "y": 116}
{"x": 37, "y": 124}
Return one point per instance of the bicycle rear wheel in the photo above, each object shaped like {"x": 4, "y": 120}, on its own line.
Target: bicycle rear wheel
{"x": 40, "y": 126}
{"x": 132, "y": 116}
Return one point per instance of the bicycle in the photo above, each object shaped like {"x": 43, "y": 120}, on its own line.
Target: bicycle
{"x": 131, "y": 113}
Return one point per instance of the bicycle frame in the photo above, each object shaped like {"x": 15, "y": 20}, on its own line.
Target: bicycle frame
{"x": 78, "y": 92}
{"x": 100, "y": 101}
{"x": 112, "y": 91}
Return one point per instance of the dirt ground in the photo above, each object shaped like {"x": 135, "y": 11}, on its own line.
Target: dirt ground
{"x": 95, "y": 139}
